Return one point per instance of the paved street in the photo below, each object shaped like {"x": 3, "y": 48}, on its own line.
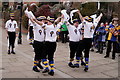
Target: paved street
{"x": 20, "y": 65}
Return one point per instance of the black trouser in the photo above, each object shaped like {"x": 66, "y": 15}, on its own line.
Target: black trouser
{"x": 11, "y": 37}
{"x": 109, "y": 46}
{"x": 85, "y": 45}
{"x": 49, "y": 49}
{"x": 100, "y": 46}
{"x": 74, "y": 49}
{"x": 119, "y": 38}
{"x": 31, "y": 32}
{"x": 118, "y": 45}
{"x": 64, "y": 36}
{"x": 38, "y": 49}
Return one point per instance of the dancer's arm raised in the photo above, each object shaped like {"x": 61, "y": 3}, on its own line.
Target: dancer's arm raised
{"x": 80, "y": 16}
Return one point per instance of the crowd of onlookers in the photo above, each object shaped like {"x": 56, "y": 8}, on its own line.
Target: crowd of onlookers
{"x": 101, "y": 37}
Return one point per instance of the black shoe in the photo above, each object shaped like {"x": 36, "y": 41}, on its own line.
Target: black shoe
{"x": 76, "y": 65}
{"x": 92, "y": 50}
{"x": 113, "y": 58}
{"x": 62, "y": 42}
{"x": 8, "y": 51}
{"x": 31, "y": 43}
{"x": 40, "y": 66}
{"x": 83, "y": 64}
{"x": 97, "y": 51}
{"x": 71, "y": 65}
{"x": 35, "y": 69}
{"x": 13, "y": 52}
{"x": 86, "y": 69}
{"x": 51, "y": 73}
{"x": 101, "y": 52}
{"x": 106, "y": 56}
{"x": 45, "y": 71}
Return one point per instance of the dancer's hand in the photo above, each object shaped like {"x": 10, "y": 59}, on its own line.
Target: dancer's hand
{"x": 62, "y": 16}
{"x": 34, "y": 19}
{"x": 81, "y": 18}
{"x": 7, "y": 36}
{"x": 78, "y": 11}
{"x": 16, "y": 35}
{"x": 101, "y": 14}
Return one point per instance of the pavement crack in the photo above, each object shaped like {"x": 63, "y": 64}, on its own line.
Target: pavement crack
{"x": 107, "y": 74}
{"x": 2, "y": 68}
{"x": 65, "y": 74}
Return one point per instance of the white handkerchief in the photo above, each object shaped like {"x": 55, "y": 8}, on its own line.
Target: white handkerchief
{"x": 66, "y": 16}
{"x": 71, "y": 14}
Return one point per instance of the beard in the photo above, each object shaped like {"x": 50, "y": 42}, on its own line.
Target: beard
{"x": 12, "y": 19}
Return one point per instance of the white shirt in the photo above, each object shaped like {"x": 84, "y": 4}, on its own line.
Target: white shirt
{"x": 51, "y": 32}
{"x": 38, "y": 32}
{"x": 75, "y": 34}
{"x": 11, "y": 25}
{"x": 30, "y": 23}
{"x": 88, "y": 30}
{"x": 29, "y": 14}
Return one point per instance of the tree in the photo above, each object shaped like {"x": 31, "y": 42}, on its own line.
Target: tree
{"x": 89, "y": 8}
{"x": 44, "y": 10}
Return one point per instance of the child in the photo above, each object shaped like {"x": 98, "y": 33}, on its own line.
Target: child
{"x": 101, "y": 37}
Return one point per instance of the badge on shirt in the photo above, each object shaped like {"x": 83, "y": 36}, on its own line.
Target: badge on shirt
{"x": 14, "y": 25}
{"x": 75, "y": 31}
{"x": 10, "y": 25}
{"x": 40, "y": 31}
{"x": 92, "y": 28}
{"x": 51, "y": 33}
